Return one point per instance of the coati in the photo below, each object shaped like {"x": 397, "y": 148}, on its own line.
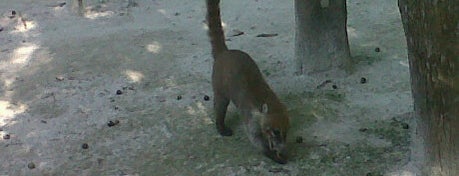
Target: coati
{"x": 237, "y": 78}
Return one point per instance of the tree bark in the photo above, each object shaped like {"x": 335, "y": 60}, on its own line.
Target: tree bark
{"x": 432, "y": 33}
{"x": 321, "y": 36}
{"x": 80, "y": 6}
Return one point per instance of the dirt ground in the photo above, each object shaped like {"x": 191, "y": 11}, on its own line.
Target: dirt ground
{"x": 145, "y": 66}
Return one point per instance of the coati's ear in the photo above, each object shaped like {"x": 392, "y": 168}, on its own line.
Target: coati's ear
{"x": 264, "y": 108}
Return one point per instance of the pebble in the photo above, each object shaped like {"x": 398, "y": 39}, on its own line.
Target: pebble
{"x": 31, "y": 165}
{"x": 405, "y": 126}
{"x": 113, "y": 123}
{"x": 59, "y": 78}
{"x": 85, "y": 146}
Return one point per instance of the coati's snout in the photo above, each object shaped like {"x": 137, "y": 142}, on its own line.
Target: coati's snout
{"x": 274, "y": 128}
{"x": 274, "y": 146}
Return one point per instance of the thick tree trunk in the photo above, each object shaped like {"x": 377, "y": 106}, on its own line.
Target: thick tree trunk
{"x": 79, "y": 6}
{"x": 321, "y": 36}
{"x": 432, "y": 32}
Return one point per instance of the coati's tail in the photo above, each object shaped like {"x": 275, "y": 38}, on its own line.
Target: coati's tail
{"x": 217, "y": 38}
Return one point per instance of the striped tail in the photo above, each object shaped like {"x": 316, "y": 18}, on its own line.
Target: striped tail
{"x": 217, "y": 38}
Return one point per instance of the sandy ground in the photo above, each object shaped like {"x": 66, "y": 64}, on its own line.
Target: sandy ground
{"x": 147, "y": 65}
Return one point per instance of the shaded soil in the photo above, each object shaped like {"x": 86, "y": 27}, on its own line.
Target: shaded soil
{"x": 64, "y": 77}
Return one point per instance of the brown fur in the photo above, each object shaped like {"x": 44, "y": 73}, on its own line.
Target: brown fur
{"x": 237, "y": 78}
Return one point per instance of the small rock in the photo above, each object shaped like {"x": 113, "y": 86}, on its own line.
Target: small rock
{"x": 113, "y": 123}
{"x": 299, "y": 139}
{"x": 236, "y": 32}
{"x": 85, "y": 146}
{"x": 119, "y": 92}
{"x": 6, "y": 136}
{"x": 405, "y": 126}
{"x": 31, "y": 165}
{"x": 110, "y": 123}
{"x": 206, "y": 98}
{"x": 59, "y": 78}
{"x": 363, "y": 80}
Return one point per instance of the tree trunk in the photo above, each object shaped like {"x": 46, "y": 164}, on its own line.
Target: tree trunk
{"x": 79, "y": 6}
{"x": 321, "y": 36}
{"x": 432, "y": 33}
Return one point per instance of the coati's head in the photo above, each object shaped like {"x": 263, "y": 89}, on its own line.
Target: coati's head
{"x": 274, "y": 131}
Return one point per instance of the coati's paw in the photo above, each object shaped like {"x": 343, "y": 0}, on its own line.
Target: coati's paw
{"x": 225, "y": 132}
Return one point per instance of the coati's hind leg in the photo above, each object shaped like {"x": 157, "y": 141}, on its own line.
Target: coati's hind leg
{"x": 220, "y": 106}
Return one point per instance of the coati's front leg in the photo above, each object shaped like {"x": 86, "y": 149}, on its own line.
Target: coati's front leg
{"x": 220, "y": 106}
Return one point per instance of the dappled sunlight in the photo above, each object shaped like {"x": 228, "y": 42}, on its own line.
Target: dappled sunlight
{"x": 9, "y": 110}
{"x": 23, "y": 54}
{"x": 154, "y": 47}
{"x": 8, "y": 83}
{"x": 351, "y": 32}
{"x": 162, "y": 11}
{"x": 24, "y": 26}
{"x": 202, "y": 109}
{"x": 134, "y": 76}
{"x": 199, "y": 110}
{"x": 95, "y": 15}
{"x": 404, "y": 63}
